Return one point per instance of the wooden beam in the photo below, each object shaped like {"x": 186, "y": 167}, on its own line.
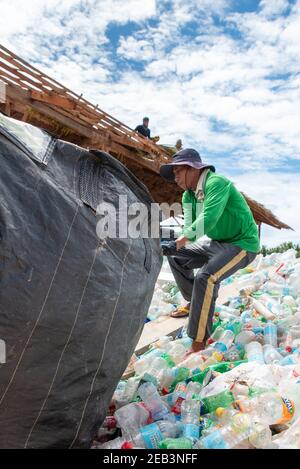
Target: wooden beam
{"x": 53, "y": 99}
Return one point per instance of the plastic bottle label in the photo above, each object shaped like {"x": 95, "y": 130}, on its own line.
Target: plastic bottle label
{"x": 152, "y": 436}
{"x": 191, "y": 431}
{"x": 288, "y": 410}
{"x": 214, "y": 440}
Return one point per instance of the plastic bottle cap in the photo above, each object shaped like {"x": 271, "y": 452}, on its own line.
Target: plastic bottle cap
{"x": 219, "y": 411}
{"x": 127, "y": 445}
{"x": 218, "y": 356}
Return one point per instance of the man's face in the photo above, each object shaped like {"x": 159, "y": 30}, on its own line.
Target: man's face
{"x": 180, "y": 173}
{"x": 145, "y": 123}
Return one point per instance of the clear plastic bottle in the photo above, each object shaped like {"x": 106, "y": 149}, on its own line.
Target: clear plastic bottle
{"x": 246, "y": 316}
{"x": 261, "y": 437}
{"x": 131, "y": 388}
{"x": 152, "y": 400}
{"x": 261, "y": 309}
{"x": 190, "y": 414}
{"x": 245, "y": 337}
{"x": 235, "y": 326}
{"x": 118, "y": 396}
{"x": 177, "y": 352}
{"x": 216, "y": 357}
{"x": 271, "y": 304}
{"x": 207, "y": 352}
{"x": 154, "y": 312}
{"x": 225, "y": 309}
{"x": 225, "y": 341}
{"x": 151, "y": 435}
{"x": 229, "y": 436}
{"x": 193, "y": 389}
{"x": 163, "y": 343}
{"x": 171, "y": 376}
{"x": 215, "y": 336}
{"x": 223, "y": 415}
{"x": 270, "y": 334}
{"x": 131, "y": 417}
{"x": 271, "y": 355}
{"x": 294, "y": 284}
{"x": 157, "y": 365}
{"x": 254, "y": 280}
{"x": 254, "y": 352}
{"x": 276, "y": 289}
{"x": 143, "y": 363}
{"x": 295, "y": 331}
{"x": 192, "y": 361}
{"x": 293, "y": 359}
{"x": 269, "y": 408}
{"x": 185, "y": 341}
{"x": 290, "y": 301}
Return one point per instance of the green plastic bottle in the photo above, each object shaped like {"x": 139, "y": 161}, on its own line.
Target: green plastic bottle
{"x": 182, "y": 374}
{"x": 222, "y": 399}
{"x": 200, "y": 376}
{"x": 168, "y": 359}
{"x": 176, "y": 443}
{"x": 223, "y": 367}
{"x": 235, "y": 327}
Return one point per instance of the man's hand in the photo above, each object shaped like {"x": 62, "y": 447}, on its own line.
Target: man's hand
{"x": 181, "y": 242}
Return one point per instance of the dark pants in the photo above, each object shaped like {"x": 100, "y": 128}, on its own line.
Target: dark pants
{"x": 216, "y": 262}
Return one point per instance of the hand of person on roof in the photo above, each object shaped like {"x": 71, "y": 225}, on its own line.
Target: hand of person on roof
{"x": 181, "y": 242}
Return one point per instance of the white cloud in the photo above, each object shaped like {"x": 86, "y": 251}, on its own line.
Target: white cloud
{"x": 131, "y": 48}
{"x": 279, "y": 192}
{"x": 273, "y": 7}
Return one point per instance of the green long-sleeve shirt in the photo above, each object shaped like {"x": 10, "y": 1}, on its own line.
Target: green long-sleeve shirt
{"x": 224, "y": 216}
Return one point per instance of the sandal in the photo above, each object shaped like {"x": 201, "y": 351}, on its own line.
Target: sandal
{"x": 180, "y": 312}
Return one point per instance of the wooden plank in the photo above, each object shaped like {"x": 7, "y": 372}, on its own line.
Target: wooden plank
{"x": 19, "y": 76}
{"x": 166, "y": 325}
{"x": 153, "y": 330}
{"x": 53, "y": 99}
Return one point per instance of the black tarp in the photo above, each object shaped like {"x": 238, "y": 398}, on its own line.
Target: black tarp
{"x": 72, "y": 308}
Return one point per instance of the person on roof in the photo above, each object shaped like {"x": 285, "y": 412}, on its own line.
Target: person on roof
{"x": 144, "y": 128}
{"x": 212, "y": 206}
{"x": 178, "y": 145}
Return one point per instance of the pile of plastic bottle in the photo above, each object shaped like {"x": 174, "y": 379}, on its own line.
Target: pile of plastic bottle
{"x": 165, "y": 298}
{"x": 242, "y": 391}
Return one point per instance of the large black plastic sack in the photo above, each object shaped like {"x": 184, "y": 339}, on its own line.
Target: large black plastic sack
{"x": 71, "y": 309}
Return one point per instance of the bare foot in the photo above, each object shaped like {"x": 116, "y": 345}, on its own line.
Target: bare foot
{"x": 195, "y": 347}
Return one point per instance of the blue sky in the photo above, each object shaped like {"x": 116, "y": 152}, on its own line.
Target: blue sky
{"x": 222, "y": 75}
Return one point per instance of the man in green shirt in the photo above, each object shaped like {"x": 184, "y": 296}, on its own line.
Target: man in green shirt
{"x": 212, "y": 206}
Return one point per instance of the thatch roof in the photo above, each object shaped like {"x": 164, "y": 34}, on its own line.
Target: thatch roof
{"x": 34, "y": 97}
